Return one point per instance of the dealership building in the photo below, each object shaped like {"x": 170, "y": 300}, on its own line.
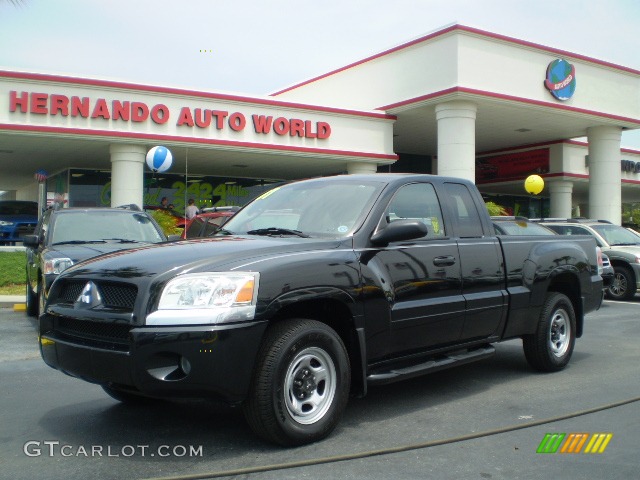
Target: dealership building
{"x": 458, "y": 102}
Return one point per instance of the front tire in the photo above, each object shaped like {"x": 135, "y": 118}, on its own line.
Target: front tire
{"x": 550, "y": 348}
{"x": 32, "y": 302}
{"x": 301, "y": 383}
{"x": 623, "y": 285}
{"x": 42, "y": 301}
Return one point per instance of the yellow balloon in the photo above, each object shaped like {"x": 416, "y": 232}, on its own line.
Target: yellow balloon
{"x": 534, "y": 184}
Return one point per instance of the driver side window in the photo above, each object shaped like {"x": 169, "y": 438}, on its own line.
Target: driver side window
{"x": 417, "y": 201}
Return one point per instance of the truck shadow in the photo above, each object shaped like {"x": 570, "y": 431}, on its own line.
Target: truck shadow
{"x": 224, "y": 435}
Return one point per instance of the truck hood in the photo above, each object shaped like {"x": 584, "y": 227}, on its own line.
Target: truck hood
{"x": 199, "y": 255}
{"x": 629, "y": 249}
{"x": 78, "y": 253}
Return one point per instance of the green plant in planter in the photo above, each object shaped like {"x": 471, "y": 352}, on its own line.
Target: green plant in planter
{"x": 167, "y": 222}
{"x": 495, "y": 210}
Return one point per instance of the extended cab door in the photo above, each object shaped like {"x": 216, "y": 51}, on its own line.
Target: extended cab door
{"x": 481, "y": 263}
{"x": 427, "y": 307}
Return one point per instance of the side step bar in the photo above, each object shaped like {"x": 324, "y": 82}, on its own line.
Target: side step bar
{"x": 440, "y": 363}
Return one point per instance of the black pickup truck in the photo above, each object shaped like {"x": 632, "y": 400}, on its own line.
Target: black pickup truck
{"x": 314, "y": 291}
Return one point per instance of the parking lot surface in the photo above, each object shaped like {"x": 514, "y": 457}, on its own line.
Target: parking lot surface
{"x": 480, "y": 421}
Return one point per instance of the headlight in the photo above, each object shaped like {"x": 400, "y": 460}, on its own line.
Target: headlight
{"x": 207, "y": 298}
{"x": 57, "y": 265}
{"x": 4, "y": 223}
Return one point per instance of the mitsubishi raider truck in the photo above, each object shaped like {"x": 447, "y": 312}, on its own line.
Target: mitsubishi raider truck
{"x": 317, "y": 290}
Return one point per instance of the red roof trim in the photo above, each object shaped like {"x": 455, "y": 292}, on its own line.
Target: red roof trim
{"x": 192, "y": 93}
{"x": 555, "y": 175}
{"x": 583, "y": 176}
{"x": 368, "y": 59}
{"x": 204, "y": 141}
{"x": 565, "y": 174}
{"x": 511, "y": 98}
{"x": 521, "y": 147}
{"x": 545, "y": 144}
{"x": 472, "y": 30}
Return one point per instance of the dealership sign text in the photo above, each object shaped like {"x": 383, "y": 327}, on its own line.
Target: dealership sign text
{"x": 126, "y": 111}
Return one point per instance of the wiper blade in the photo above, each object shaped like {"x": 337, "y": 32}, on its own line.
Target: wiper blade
{"x": 623, "y": 244}
{"x": 78, "y": 242}
{"x": 122, "y": 240}
{"x": 277, "y": 231}
{"x": 222, "y": 231}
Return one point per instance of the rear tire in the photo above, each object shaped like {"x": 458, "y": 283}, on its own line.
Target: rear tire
{"x": 550, "y": 348}
{"x": 301, "y": 383}
{"x": 623, "y": 285}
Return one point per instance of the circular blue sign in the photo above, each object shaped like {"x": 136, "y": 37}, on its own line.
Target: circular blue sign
{"x": 561, "y": 79}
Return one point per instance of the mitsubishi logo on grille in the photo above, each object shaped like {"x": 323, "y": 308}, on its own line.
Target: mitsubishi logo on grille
{"x": 89, "y": 298}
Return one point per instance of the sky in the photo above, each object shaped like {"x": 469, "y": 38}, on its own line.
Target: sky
{"x": 258, "y": 47}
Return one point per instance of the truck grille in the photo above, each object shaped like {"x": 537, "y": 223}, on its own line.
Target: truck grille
{"x": 108, "y": 333}
{"x": 114, "y": 295}
{"x": 26, "y": 229}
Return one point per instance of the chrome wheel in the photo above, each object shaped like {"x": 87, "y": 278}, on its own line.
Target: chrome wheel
{"x": 619, "y": 286}
{"x": 310, "y": 385}
{"x": 550, "y": 347}
{"x": 301, "y": 382}
{"x": 559, "y": 333}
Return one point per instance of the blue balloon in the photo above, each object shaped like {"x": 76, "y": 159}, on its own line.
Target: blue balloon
{"x": 159, "y": 159}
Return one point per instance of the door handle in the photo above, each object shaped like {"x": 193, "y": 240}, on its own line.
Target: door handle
{"x": 445, "y": 261}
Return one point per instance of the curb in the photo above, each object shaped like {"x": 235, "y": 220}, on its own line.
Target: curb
{"x": 17, "y": 302}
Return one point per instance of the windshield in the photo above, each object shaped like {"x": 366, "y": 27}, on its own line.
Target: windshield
{"x": 316, "y": 208}
{"x": 616, "y": 235}
{"x": 92, "y": 226}
{"x": 18, "y": 208}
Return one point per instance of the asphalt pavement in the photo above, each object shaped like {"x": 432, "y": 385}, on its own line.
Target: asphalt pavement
{"x": 484, "y": 420}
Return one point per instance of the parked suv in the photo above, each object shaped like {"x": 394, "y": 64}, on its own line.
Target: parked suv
{"x": 67, "y": 236}
{"x": 619, "y": 244}
{"x": 17, "y": 219}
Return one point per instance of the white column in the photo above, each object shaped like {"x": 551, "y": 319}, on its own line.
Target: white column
{"x": 360, "y": 167}
{"x": 605, "y": 195}
{"x": 457, "y": 139}
{"x": 127, "y": 174}
{"x": 560, "y": 192}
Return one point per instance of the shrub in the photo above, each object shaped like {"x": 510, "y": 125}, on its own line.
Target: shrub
{"x": 495, "y": 210}
{"x": 167, "y": 222}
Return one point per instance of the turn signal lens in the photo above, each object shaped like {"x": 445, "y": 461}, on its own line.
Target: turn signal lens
{"x": 245, "y": 295}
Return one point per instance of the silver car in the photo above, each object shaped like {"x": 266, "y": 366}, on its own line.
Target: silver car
{"x": 619, "y": 244}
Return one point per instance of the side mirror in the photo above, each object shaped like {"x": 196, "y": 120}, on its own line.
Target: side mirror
{"x": 31, "y": 241}
{"x": 174, "y": 238}
{"x": 398, "y": 231}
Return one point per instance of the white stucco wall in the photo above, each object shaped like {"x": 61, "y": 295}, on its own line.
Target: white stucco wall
{"x": 514, "y": 69}
{"x": 428, "y": 66}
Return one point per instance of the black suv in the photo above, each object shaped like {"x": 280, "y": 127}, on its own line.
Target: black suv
{"x": 69, "y": 235}
{"x": 619, "y": 244}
